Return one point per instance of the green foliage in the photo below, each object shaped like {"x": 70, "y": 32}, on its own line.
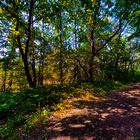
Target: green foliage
{"x": 31, "y": 106}
{"x": 58, "y": 43}
{"x": 26, "y": 110}
{"x": 36, "y": 119}
{"x": 51, "y": 41}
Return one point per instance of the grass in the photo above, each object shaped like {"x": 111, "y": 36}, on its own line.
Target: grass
{"x": 26, "y": 110}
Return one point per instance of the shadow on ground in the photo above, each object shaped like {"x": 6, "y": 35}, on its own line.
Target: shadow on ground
{"x": 117, "y": 117}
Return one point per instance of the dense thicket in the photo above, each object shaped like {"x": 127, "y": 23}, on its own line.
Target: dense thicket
{"x": 51, "y": 41}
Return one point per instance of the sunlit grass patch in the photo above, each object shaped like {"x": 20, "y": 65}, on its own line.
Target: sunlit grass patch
{"x": 36, "y": 119}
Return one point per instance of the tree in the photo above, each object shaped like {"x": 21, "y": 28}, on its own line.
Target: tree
{"x": 69, "y": 40}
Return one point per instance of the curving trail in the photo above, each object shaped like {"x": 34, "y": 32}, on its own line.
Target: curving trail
{"x": 116, "y": 117}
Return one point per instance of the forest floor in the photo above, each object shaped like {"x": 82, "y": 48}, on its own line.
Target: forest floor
{"x": 114, "y": 117}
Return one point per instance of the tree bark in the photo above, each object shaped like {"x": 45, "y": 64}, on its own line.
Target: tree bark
{"x": 92, "y": 43}
{"x": 34, "y": 71}
{"x": 61, "y": 51}
{"x": 25, "y": 55}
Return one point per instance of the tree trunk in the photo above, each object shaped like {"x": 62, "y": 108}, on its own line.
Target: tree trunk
{"x": 27, "y": 72}
{"x": 92, "y": 43}
{"x": 61, "y": 51}
{"x": 40, "y": 73}
{"x": 4, "y": 81}
{"x": 34, "y": 72}
{"x": 25, "y": 55}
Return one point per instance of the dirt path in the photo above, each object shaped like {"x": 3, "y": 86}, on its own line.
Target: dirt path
{"x": 116, "y": 117}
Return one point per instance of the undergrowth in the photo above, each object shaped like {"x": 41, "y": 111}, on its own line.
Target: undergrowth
{"x": 26, "y": 110}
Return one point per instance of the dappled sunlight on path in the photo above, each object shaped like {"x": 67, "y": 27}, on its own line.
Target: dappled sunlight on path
{"x": 116, "y": 117}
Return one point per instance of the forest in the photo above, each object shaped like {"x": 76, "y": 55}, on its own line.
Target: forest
{"x": 57, "y": 54}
